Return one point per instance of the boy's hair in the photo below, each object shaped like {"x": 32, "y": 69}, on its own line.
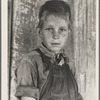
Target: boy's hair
{"x": 56, "y": 8}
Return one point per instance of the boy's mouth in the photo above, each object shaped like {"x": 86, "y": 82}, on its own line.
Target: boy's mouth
{"x": 55, "y": 44}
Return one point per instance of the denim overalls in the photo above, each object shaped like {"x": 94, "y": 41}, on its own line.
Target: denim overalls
{"x": 60, "y": 84}
{"x": 46, "y": 77}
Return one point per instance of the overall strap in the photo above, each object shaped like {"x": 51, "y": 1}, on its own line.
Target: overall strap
{"x": 47, "y": 85}
{"x": 72, "y": 85}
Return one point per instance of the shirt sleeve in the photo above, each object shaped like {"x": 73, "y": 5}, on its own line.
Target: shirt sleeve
{"x": 27, "y": 80}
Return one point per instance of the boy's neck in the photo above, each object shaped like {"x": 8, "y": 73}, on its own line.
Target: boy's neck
{"x": 49, "y": 53}
{"x": 53, "y": 52}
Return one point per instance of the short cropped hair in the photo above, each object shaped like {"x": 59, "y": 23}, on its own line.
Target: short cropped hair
{"x": 56, "y": 8}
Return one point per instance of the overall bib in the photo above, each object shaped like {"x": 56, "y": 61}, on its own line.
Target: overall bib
{"x": 60, "y": 84}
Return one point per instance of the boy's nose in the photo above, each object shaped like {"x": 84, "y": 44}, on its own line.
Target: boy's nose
{"x": 56, "y": 36}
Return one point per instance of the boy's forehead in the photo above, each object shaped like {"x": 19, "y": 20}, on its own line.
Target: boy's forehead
{"x": 55, "y": 19}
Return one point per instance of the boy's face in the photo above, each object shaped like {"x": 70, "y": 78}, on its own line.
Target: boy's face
{"x": 54, "y": 33}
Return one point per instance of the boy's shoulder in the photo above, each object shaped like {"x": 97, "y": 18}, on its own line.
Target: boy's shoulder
{"x": 31, "y": 55}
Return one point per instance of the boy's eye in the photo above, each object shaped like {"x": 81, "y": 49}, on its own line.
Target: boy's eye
{"x": 49, "y": 29}
{"x": 63, "y": 30}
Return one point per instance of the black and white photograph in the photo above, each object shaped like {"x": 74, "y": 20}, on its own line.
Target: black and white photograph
{"x": 52, "y": 50}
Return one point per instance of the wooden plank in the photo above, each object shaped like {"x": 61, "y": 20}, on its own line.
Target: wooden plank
{"x": 85, "y": 47}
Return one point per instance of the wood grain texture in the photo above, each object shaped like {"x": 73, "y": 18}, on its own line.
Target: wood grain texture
{"x": 85, "y": 47}
{"x": 80, "y": 46}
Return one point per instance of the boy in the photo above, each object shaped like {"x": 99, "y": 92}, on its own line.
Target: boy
{"x": 44, "y": 73}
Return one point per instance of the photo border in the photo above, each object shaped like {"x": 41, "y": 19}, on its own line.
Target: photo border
{"x": 4, "y": 49}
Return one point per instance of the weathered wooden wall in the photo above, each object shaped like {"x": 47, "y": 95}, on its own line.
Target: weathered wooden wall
{"x": 80, "y": 46}
{"x": 85, "y": 47}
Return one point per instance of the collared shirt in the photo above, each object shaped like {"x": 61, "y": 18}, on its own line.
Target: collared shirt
{"x": 46, "y": 76}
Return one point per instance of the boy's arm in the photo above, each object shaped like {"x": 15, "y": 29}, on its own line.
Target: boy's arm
{"x": 27, "y": 81}
{"x": 27, "y": 98}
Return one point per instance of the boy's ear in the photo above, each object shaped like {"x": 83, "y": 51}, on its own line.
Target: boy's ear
{"x": 39, "y": 32}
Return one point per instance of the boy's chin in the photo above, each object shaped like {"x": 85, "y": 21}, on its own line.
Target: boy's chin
{"x": 55, "y": 50}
